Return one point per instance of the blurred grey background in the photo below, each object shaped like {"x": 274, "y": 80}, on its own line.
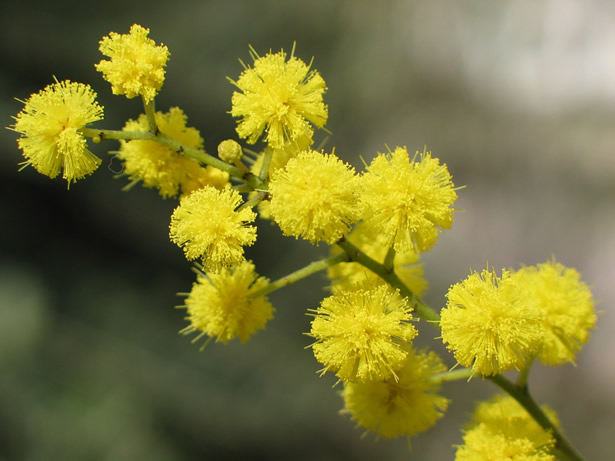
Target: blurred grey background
{"x": 518, "y": 98}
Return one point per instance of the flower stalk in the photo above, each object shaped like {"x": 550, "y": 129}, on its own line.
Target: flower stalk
{"x": 356, "y": 255}
{"x": 251, "y": 180}
{"x": 302, "y": 273}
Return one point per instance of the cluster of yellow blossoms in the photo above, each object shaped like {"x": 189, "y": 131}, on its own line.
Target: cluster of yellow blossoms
{"x": 502, "y": 429}
{"x": 378, "y": 222}
{"x": 495, "y": 324}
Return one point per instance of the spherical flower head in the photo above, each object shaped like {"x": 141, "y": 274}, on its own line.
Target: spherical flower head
{"x": 408, "y": 201}
{"x": 207, "y": 225}
{"x": 481, "y": 444}
{"x": 350, "y": 274}
{"x": 359, "y": 334}
{"x": 403, "y": 407}
{"x": 502, "y": 429}
{"x": 163, "y": 168}
{"x": 315, "y": 197}
{"x": 502, "y": 413}
{"x": 279, "y": 159}
{"x": 567, "y": 306}
{"x": 137, "y": 64}
{"x": 280, "y": 97}
{"x": 49, "y": 125}
{"x": 226, "y": 305}
{"x": 489, "y": 324}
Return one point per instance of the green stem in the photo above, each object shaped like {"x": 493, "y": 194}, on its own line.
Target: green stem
{"x": 565, "y": 450}
{"x": 150, "y": 112}
{"x": 253, "y": 181}
{"x": 267, "y": 156}
{"x": 524, "y": 375}
{"x": 454, "y": 375}
{"x": 422, "y": 309}
{"x": 310, "y": 269}
{"x": 255, "y": 200}
{"x": 389, "y": 260}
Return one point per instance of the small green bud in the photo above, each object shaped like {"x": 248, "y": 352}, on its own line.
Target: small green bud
{"x": 229, "y": 151}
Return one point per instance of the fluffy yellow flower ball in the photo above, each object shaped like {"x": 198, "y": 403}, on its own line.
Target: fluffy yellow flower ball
{"x": 567, "y": 307}
{"x": 315, "y": 197}
{"x": 223, "y": 304}
{"x": 489, "y": 323}
{"x": 502, "y": 429}
{"x": 403, "y": 406}
{"x": 49, "y": 125}
{"x": 280, "y": 97}
{"x": 207, "y": 225}
{"x": 360, "y": 334}
{"x": 136, "y": 65}
{"x": 407, "y": 200}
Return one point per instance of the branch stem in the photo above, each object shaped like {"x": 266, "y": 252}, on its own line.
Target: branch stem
{"x": 248, "y": 178}
{"x": 306, "y": 271}
{"x": 389, "y": 276}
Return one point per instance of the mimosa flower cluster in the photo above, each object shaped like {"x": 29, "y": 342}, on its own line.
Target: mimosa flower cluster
{"x": 502, "y": 429}
{"x": 495, "y": 324}
{"x": 378, "y": 221}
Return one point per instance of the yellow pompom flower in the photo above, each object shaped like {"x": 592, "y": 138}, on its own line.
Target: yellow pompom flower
{"x": 402, "y": 407}
{"x": 567, "y": 306}
{"x": 502, "y": 429}
{"x": 222, "y": 304}
{"x": 407, "y": 201}
{"x": 160, "y": 167}
{"x": 360, "y": 334}
{"x": 137, "y": 64}
{"x": 208, "y": 226}
{"x": 350, "y": 274}
{"x": 315, "y": 197}
{"x": 489, "y": 323}
{"x": 481, "y": 444}
{"x": 50, "y": 124}
{"x": 279, "y": 159}
{"x": 504, "y": 414}
{"x": 280, "y": 97}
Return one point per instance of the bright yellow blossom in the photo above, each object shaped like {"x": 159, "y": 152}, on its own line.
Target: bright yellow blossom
{"x": 222, "y": 304}
{"x": 402, "y": 407}
{"x": 567, "y": 306}
{"x": 481, "y": 444}
{"x": 502, "y": 429}
{"x": 49, "y": 125}
{"x": 504, "y": 414}
{"x": 163, "y": 168}
{"x": 315, "y": 197}
{"x": 137, "y": 63}
{"x": 280, "y": 97}
{"x": 208, "y": 226}
{"x": 279, "y": 159}
{"x": 360, "y": 334}
{"x": 407, "y": 201}
{"x": 489, "y": 323}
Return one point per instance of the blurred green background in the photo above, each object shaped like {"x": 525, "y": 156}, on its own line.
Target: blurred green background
{"x": 518, "y": 98}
